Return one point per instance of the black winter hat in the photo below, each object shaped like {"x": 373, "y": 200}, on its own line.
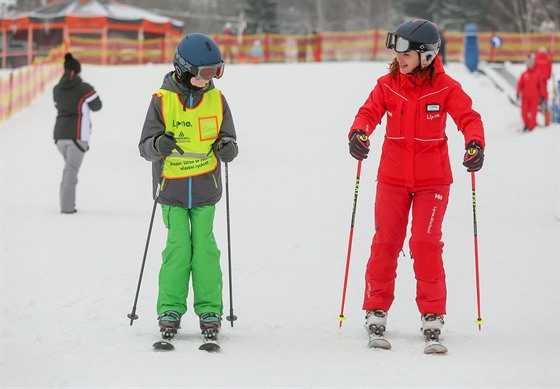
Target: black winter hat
{"x": 71, "y": 63}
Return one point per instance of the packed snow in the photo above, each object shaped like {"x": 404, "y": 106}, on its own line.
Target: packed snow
{"x": 68, "y": 281}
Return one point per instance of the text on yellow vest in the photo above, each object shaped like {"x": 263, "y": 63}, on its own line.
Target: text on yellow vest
{"x": 195, "y": 129}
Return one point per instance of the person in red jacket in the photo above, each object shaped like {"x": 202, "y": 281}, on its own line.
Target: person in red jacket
{"x": 414, "y": 172}
{"x": 543, "y": 63}
{"x": 531, "y": 89}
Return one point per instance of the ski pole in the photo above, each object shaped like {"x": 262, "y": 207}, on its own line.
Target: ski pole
{"x": 341, "y": 317}
{"x": 479, "y": 320}
{"x": 231, "y": 316}
{"x": 132, "y": 315}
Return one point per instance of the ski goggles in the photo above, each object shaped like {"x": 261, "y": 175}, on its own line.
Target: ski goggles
{"x": 402, "y": 45}
{"x": 206, "y": 72}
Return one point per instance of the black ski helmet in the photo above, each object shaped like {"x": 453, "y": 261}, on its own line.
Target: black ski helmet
{"x": 196, "y": 50}
{"x": 424, "y": 36}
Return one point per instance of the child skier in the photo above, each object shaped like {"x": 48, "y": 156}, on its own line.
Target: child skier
{"x": 414, "y": 173}
{"x": 187, "y": 131}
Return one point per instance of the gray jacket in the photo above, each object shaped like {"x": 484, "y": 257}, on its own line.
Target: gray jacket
{"x": 189, "y": 192}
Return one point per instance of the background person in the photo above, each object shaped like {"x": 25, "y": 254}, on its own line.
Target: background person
{"x": 74, "y": 100}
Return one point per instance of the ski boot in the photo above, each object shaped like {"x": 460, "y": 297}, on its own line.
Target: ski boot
{"x": 431, "y": 328}
{"x": 169, "y": 323}
{"x": 376, "y": 322}
{"x": 210, "y": 324}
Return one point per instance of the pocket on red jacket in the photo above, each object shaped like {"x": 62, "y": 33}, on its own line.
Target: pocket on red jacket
{"x": 428, "y": 162}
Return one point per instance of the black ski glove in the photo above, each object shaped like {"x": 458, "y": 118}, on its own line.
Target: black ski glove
{"x": 474, "y": 157}
{"x": 359, "y": 145}
{"x": 226, "y": 149}
{"x": 165, "y": 143}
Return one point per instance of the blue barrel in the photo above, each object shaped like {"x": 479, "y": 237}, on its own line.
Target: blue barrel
{"x": 471, "y": 46}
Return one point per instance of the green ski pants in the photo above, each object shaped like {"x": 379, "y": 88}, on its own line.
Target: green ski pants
{"x": 191, "y": 250}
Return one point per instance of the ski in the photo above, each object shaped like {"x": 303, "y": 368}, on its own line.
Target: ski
{"x": 210, "y": 346}
{"x": 166, "y": 342}
{"x": 434, "y": 347}
{"x": 376, "y": 341}
{"x": 163, "y": 345}
{"x": 210, "y": 341}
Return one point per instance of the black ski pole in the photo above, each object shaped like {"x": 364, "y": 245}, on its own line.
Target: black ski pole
{"x": 231, "y": 316}
{"x": 132, "y": 315}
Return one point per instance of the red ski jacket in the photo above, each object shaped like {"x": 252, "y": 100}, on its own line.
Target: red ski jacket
{"x": 543, "y": 64}
{"x": 532, "y": 85}
{"x": 415, "y": 147}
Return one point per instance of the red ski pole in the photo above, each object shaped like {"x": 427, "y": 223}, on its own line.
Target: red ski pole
{"x": 479, "y": 320}
{"x": 341, "y": 317}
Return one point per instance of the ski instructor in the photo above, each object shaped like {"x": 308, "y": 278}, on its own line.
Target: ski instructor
{"x": 414, "y": 171}
{"x": 188, "y": 130}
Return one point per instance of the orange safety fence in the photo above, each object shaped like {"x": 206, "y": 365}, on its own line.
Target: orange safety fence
{"x": 326, "y": 46}
{"x": 370, "y": 45}
{"x": 122, "y": 51}
{"x": 19, "y": 87}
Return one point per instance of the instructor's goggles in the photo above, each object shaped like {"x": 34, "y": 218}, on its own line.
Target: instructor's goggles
{"x": 402, "y": 45}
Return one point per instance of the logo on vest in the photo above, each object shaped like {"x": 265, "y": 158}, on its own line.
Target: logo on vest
{"x": 181, "y": 137}
{"x": 179, "y": 123}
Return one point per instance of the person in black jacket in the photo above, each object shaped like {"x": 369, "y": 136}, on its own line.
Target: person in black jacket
{"x": 74, "y": 100}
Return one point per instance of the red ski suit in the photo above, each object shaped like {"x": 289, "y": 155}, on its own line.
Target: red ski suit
{"x": 531, "y": 87}
{"x": 414, "y": 173}
{"x": 543, "y": 64}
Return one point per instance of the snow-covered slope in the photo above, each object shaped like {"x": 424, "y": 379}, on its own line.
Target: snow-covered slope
{"x": 68, "y": 281}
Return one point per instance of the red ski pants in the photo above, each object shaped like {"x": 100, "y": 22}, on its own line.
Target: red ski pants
{"x": 529, "y": 108}
{"x": 392, "y": 207}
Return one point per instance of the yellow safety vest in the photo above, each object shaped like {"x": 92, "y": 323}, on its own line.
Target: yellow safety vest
{"x": 195, "y": 129}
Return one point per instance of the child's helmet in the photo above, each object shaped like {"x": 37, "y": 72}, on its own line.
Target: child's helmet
{"x": 198, "y": 55}
{"x": 422, "y": 36}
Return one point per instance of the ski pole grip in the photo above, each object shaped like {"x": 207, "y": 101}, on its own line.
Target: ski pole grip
{"x": 363, "y": 137}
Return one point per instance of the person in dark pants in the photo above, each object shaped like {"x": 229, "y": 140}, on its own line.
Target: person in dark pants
{"x": 74, "y": 101}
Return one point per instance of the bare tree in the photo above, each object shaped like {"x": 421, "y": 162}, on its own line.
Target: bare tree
{"x": 524, "y": 15}
{"x": 306, "y": 16}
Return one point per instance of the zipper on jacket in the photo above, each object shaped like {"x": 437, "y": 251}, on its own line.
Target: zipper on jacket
{"x": 190, "y": 181}
{"x": 189, "y": 204}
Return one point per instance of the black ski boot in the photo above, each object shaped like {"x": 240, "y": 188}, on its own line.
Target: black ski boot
{"x": 210, "y": 324}
{"x": 169, "y": 323}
